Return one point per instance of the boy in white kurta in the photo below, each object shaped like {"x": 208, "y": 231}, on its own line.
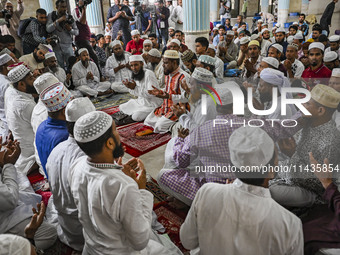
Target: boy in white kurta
{"x": 143, "y": 80}
{"x": 114, "y": 207}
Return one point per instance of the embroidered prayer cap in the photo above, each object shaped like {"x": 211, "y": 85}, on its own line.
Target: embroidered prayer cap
{"x": 172, "y": 54}
{"x": 135, "y": 32}
{"x": 230, "y": 32}
{"x": 202, "y": 75}
{"x": 211, "y": 46}
{"x": 56, "y": 97}
{"x": 14, "y": 244}
{"x": 264, "y": 30}
{"x": 44, "y": 81}
{"x": 281, "y": 30}
{"x": 254, "y": 37}
{"x": 298, "y": 36}
{"x": 271, "y": 61}
{"x": 207, "y": 59}
{"x": 187, "y": 55}
{"x": 49, "y": 55}
{"x": 290, "y": 39}
{"x": 147, "y": 41}
{"x": 91, "y": 126}
{"x": 114, "y": 43}
{"x": 80, "y": 51}
{"x": 45, "y": 47}
{"x": 136, "y": 58}
{"x": 77, "y": 108}
{"x": 334, "y": 38}
{"x": 254, "y": 42}
{"x": 330, "y": 56}
{"x": 155, "y": 53}
{"x": 18, "y": 73}
{"x": 176, "y": 41}
{"x": 293, "y": 45}
{"x": 224, "y": 93}
{"x": 326, "y": 96}
{"x": 336, "y": 72}
{"x": 250, "y": 146}
{"x": 244, "y": 40}
{"x": 316, "y": 45}
{"x": 5, "y": 58}
{"x": 278, "y": 47}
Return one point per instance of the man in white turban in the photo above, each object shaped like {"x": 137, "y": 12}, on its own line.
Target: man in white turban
{"x": 86, "y": 77}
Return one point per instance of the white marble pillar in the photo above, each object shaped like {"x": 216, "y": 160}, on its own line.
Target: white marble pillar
{"x": 47, "y": 5}
{"x": 214, "y": 10}
{"x": 94, "y": 17}
{"x": 264, "y": 5}
{"x": 283, "y": 10}
{"x": 196, "y": 21}
{"x": 304, "y": 6}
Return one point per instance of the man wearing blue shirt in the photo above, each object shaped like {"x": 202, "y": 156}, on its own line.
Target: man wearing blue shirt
{"x": 221, "y": 32}
{"x": 302, "y": 22}
{"x": 240, "y": 20}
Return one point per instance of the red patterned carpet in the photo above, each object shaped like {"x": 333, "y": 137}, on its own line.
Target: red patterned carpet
{"x": 111, "y": 110}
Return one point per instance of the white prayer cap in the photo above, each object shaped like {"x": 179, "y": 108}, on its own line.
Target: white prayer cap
{"x": 176, "y": 41}
{"x": 298, "y": 36}
{"x": 336, "y": 72}
{"x": 91, "y": 126}
{"x": 108, "y": 34}
{"x": 278, "y": 47}
{"x": 260, "y": 21}
{"x": 155, "y": 53}
{"x": 334, "y": 38}
{"x": 263, "y": 30}
{"x": 316, "y": 45}
{"x": 144, "y": 3}
{"x": 239, "y": 29}
{"x": 254, "y": 37}
{"x": 330, "y": 56}
{"x": 207, "y": 59}
{"x": 56, "y": 97}
{"x": 260, "y": 13}
{"x": 136, "y": 58}
{"x": 295, "y": 23}
{"x": 77, "y": 108}
{"x": 277, "y": 25}
{"x": 230, "y": 32}
{"x": 211, "y": 46}
{"x": 135, "y": 32}
{"x": 224, "y": 93}
{"x": 49, "y": 55}
{"x": 265, "y": 24}
{"x": 244, "y": 40}
{"x": 171, "y": 28}
{"x": 293, "y": 45}
{"x": 290, "y": 39}
{"x": 45, "y": 47}
{"x": 144, "y": 37}
{"x": 326, "y": 96}
{"x": 18, "y": 73}
{"x": 215, "y": 28}
{"x": 14, "y": 245}
{"x": 147, "y": 42}
{"x": 171, "y": 54}
{"x": 202, "y": 75}
{"x": 80, "y": 51}
{"x": 114, "y": 43}
{"x": 250, "y": 146}
{"x": 271, "y": 61}
{"x": 5, "y": 58}
{"x": 44, "y": 81}
{"x": 281, "y": 30}
{"x": 273, "y": 77}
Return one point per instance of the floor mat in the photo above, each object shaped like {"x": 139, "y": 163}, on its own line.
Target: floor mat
{"x": 139, "y": 145}
{"x": 111, "y": 110}
{"x": 104, "y": 102}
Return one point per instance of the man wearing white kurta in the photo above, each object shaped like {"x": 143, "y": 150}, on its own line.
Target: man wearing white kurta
{"x": 52, "y": 64}
{"x": 142, "y": 82}
{"x": 86, "y": 77}
{"x": 5, "y": 61}
{"x": 155, "y": 58}
{"x": 114, "y": 207}
{"x": 334, "y": 82}
{"x": 247, "y": 213}
{"x": 58, "y": 165}
{"x": 177, "y": 16}
{"x": 117, "y": 67}
{"x": 19, "y": 105}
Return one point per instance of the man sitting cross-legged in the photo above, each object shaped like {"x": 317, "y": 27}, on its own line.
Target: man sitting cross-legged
{"x": 86, "y": 78}
{"x": 142, "y": 81}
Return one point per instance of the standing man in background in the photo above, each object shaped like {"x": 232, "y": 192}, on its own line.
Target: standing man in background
{"x": 326, "y": 19}
{"x": 162, "y": 14}
{"x": 177, "y": 16}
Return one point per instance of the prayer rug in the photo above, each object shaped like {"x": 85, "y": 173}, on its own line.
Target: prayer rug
{"x": 38, "y": 182}
{"x": 139, "y": 145}
{"x": 111, "y": 110}
{"x": 104, "y": 102}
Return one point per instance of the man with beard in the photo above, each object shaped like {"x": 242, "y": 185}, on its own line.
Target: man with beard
{"x": 227, "y": 49}
{"x": 156, "y": 61}
{"x": 113, "y": 204}
{"x": 334, "y": 82}
{"x": 316, "y": 32}
{"x": 252, "y": 63}
{"x": 334, "y": 44}
{"x": 19, "y": 104}
{"x": 85, "y": 76}
{"x": 316, "y": 69}
{"x": 58, "y": 165}
{"x": 294, "y": 66}
{"x": 35, "y": 60}
{"x": 275, "y": 51}
{"x": 51, "y": 66}
{"x": 142, "y": 81}
{"x": 331, "y": 60}
{"x": 264, "y": 44}
{"x": 53, "y": 130}
{"x": 189, "y": 59}
{"x": 163, "y": 117}
{"x": 280, "y": 36}
{"x": 219, "y": 65}
{"x": 171, "y": 31}
{"x": 265, "y": 34}
{"x": 117, "y": 67}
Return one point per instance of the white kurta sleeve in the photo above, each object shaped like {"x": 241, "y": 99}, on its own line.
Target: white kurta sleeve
{"x": 78, "y": 77}
{"x": 136, "y": 215}
{"x": 299, "y": 70}
{"x": 297, "y": 241}
{"x": 219, "y": 69}
{"x": 142, "y": 90}
{"x": 9, "y": 189}
{"x": 110, "y": 65}
{"x": 95, "y": 72}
